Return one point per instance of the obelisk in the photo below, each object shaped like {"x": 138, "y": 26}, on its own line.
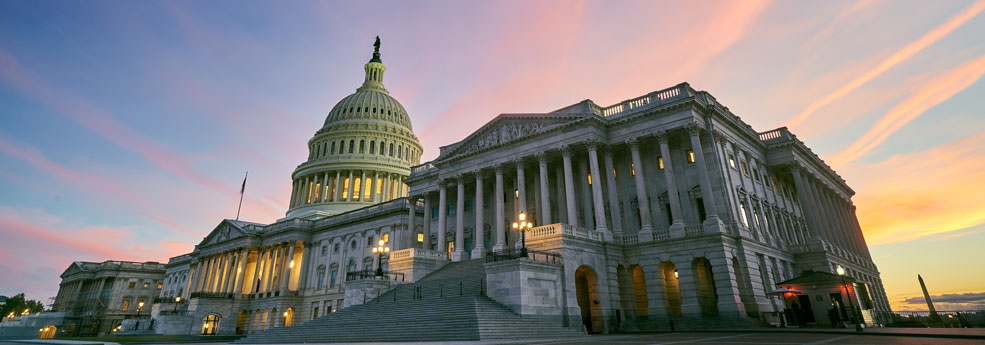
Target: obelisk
{"x": 930, "y": 304}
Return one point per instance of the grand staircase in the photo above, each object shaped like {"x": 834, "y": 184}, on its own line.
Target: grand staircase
{"x": 446, "y": 305}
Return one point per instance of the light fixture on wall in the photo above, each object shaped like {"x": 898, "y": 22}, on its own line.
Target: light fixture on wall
{"x": 676, "y": 274}
{"x": 858, "y": 321}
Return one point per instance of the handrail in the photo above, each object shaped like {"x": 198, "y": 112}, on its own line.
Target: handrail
{"x": 370, "y": 274}
{"x": 533, "y": 255}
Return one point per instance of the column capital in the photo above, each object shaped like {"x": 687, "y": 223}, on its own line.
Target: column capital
{"x": 593, "y": 144}
{"x": 443, "y": 182}
{"x": 541, "y": 156}
{"x": 720, "y": 136}
{"x": 693, "y": 129}
{"x": 460, "y": 178}
{"x": 662, "y": 136}
{"x": 565, "y": 150}
{"x": 518, "y": 161}
{"x": 633, "y": 143}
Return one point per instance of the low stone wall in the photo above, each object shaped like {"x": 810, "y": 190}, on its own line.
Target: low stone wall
{"x": 358, "y": 291}
{"x": 529, "y": 288}
{"x": 29, "y": 326}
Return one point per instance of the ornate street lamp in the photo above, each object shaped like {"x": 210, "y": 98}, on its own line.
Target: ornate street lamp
{"x": 140, "y": 306}
{"x": 380, "y": 249}
{"x": 858, "y": 319}
{"x": 522, "y": 225}
{"x": 176, "y": 301}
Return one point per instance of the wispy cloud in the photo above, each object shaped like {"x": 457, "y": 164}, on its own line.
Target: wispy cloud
{"x": 950, "y": 302}
{"x": 923, "y": 193}
{"x": 930, "y": 94}
{"x": 896, "y": 58}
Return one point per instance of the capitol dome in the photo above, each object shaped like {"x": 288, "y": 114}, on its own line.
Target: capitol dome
{"x": 360, "y": 156}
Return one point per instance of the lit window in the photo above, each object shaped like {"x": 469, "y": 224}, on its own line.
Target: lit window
{"x": 744, "y": 170}
{"x": 160, "y": 286}
{"x": 451, "y": 246}
{"x": 589, "y": 179}
{"x": 632, "y": 169}
{"x": 731, "y": 160}
{"x": 614, "y": 172}
{"x": 755, "y": 174}
{"x": 420, "y": 237}
{"x": 660, "y": 163}
{"x": 132, "y": 285}
{"x": 126, "y": 304}
{"x": 386, "y": 238}
{"x": 690, "y": 156}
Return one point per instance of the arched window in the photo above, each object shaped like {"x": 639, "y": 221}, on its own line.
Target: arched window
{"x": 400, "y": 149}
{"x": 333, "y": 147}
{"x": 362, "y": 146}
{"x": 210, "y": 324}
{"x": 324, "y": 150}
{"x": 382, "y": 148}
{"x": 391, "y": 149}
{"x": 374, "y": 110}
{"x": 342, "y": 146}
{"x": 352, "y": 145}
{"x": 366, "y": 110}
{"x": 372, "y": 147}
{"x": 352, "y": 264}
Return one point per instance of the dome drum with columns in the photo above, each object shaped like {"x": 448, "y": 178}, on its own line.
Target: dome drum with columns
{"x": 361, "y": 156}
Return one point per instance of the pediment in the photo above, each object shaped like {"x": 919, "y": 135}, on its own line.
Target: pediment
{"x": 504, "y": 129}
{"x": 226, "y": 230}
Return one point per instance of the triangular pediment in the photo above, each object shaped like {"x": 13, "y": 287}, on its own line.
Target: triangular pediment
{"x": 226, "y": 230}
{"x": 504, "y": 129}
{"x": 72, "y": 269}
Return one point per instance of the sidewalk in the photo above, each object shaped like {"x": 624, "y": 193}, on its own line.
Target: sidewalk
{"x": 954, "y": 333}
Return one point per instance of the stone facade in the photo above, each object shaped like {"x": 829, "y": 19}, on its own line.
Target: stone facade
{"x": 96, "y": 297}
{"x": 663, "y": 207}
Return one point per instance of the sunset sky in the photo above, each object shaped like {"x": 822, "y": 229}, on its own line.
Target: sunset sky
{"x": 126, "y": 126}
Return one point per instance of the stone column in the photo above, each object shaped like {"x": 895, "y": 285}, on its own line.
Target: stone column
{"x": 269, "y": 267}
{"x": 824, "y": 229}
{"x": 324, "y": 188}
{"x": 237, "y": 286}
{"x": 305, "y": 199}
{"x": 347, "y": 190}
{"x": 196, "y": 277}
{"x": 712, "y": 223}
{"x": 479, "y": 232}
{"x": 288, "y": 270}
{"x": 373, "y": 197}
{"x": 613, "y": 189}
{"x": 459, "y": 253}
{"x": 646, "y": 231}
{"x": 411, "y": 226}
{"x": 593, "y": 162}
{"x": 304, "y": 270}
{"x": 427, "y": 221}
{"x": 676, "y": 214}
{"x": 569, "y": 186}
{"x": 224, "y": 283}
{"x": 521, "y": 186}
{"x": 388, "y": 186}
{"x": 806, "y": 206}
{"x": 205, "y": 274}
{"x": 442, "y": 212}
{"x": 294, "y": 193}
{"x": 500, "y": 228}
{"x": 545, "y": 194}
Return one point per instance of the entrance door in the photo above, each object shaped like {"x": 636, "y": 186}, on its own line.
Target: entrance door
{"x": 805, "y": 305}
{"x": 587, "y": 292}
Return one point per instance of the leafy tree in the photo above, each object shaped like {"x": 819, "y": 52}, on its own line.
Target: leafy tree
{"x": 18, "y": 304}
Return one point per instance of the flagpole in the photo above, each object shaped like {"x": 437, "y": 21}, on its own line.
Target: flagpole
{"x": 241, "y": 192}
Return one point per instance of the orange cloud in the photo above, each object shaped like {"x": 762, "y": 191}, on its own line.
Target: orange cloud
{"x": 899, "y": 56}
{"x": 929, "y": 94}
{"x": 922, "y": 193}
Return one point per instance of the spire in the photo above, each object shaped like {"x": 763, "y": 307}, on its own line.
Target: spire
{"x": 374, "y": 71}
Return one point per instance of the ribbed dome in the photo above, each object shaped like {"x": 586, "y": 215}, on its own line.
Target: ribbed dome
{"x": 368, "y": 105}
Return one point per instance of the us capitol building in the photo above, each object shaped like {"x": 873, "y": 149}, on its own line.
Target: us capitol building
{"x": 664, "y": 207}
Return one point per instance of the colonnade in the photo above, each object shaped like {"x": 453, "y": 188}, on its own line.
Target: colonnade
{"x": 829, "y": 215}
{"x": 367, "y": 186}
{"x": 274, "y": 268}
{"x": 594, "y": 201}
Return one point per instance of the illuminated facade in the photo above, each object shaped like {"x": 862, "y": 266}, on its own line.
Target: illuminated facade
{"x": 665, "y": 206}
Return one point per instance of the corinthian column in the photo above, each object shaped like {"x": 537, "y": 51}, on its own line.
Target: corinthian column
{"x": 613, "y": 189}
{"x": 646, "y": 230}
{"x": 806, "y": 204}
{"x": 712, "y": 222}
{"x": 479, "y": 232}
{"x": 545, "y": 194}
{"x": 593, "y": 162}
{"x": 500, "y": 217}
{"x": 569, "y": 186}
{"x": 442, "y": 211}
{"x": 459, "y": 253}
{"x": 676, "y": 216}
{"x": 521, "y": 186}
{"x": 411, "y": 235}
{"x": 427, "y": 221}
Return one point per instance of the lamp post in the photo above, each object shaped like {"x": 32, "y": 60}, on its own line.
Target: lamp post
{"x": 858, "y": 319}
{"x": 380, "y": 249}
{"x": 140, "y": 306}
{"x": 176, "y": 301}
{"x": 522, "y": 225}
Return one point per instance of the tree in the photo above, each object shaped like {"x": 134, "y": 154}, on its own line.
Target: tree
{"x": 18, "y": 304}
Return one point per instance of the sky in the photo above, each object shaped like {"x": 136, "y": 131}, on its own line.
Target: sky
{"x": 126, "y": 127}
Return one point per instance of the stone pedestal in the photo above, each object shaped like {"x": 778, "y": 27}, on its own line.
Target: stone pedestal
{"x": 528, "y": 288}
{"x": 415, "y": 263}
{"x": 358, "y": 291}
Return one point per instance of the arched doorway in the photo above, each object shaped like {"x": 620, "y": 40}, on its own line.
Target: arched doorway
{"x": 47, "y": 332}
{"x": 672, "y": 288}
{"x": 288, "y": 317}
{"x": 706, "y": 286}
{"x": 210, "y": 324}
{"x": 587, "y": 292}
{"x": 639, "y": 290}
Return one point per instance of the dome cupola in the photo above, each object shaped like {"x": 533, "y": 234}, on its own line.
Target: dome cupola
{"x": 361, "y": 155}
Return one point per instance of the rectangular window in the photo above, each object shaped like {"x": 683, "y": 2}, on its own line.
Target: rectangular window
{"x": 485, "y": 201}
{"x": 468, "y": 206}
{"x": 369, "y": 241}
{"x": 126, "y": 304}
{"x": 742, "y": 214}
{"x": 701, "y": 208}
{"x": 451, "y": 246}
{"x": 660, "y": 162}
{"x": 379, "y": 187}
{"x": 321, "y": 279}
{"x": 386, "y": 238}
{"x": 132, "y": 285}
{"x": 369, "y": 188}
{"x": 356, "y": 189}
{"x": 451, "y": 210}
{"x": 632, "y": 169}
{"x": 160, "y": 286}
{"x": 434, "y": 212}
{"x": 324, "y": 250}
{"x": 589, "y": 179}
{"x": 755, "y": 174}
{"x": 690, "y": 156}
{"x": 331, "y": 277}
{"x": 420, "y": 237}
{"x": 314, "y": 311}
{"x": 744, "y": 169}
{"x": 345, "y": 188}
{"x": 336, "y": 248}
{"x": 731, "y": 160}
{"x": 146, "y": 285}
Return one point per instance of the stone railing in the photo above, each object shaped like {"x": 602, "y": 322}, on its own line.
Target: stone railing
{"x": 422, "y": 169}
{"x": 776, "y": 135}
{"x": 417, "y": 253}
{"x": 661, "y": 234}
{"x": 651, "y": 99}
{"x": 693, "y": 230}
{"x": 558, "y": 229}
{"x": 630, "y": 239}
